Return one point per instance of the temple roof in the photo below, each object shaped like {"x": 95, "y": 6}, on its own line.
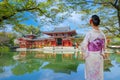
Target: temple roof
{"x": 60, "y": 30}
{"x": 30, "y": 35}
{"x": 37, "y": 39}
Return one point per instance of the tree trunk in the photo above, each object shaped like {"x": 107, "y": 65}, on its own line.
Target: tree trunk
{"x": 119, "y": 20}
{"x": 119, "y": 15}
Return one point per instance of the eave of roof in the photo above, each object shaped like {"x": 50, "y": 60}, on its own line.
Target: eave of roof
{"x": 51, "y": 32}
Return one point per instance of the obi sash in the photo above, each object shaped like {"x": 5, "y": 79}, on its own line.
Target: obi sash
{"x": 96, "y": 45}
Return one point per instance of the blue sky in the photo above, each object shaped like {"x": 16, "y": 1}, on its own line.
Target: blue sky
{"x": 31, "y": 20}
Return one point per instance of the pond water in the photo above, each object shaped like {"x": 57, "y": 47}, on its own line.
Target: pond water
{"x": 52, "y": 66}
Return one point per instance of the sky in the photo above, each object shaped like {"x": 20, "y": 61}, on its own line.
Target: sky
{"x": 74, "y": 22}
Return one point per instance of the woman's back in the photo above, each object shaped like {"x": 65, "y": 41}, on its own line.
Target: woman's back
{"x": 96, "y": 40}
{"x": 94, "y": 34}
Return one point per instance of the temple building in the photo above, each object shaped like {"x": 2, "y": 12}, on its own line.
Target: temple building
{"x": 60, "y": 36}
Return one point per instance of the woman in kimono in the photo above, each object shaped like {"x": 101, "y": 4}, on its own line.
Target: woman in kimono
{"x": 93, "y": 47}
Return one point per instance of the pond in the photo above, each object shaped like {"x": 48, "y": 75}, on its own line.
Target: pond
{"x": 52, "y": 66}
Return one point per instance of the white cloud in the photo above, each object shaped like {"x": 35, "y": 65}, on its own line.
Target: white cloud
{"x": 48, "y": 74}
{"x": 38, "y": 1}
{"x": 75, "y": 18}
{"x": 7, "y": 72}
{"x": 47, "y": 27}
{"x": 114, "y": 72}
{"x": 8, "y": 28}
{"x": 53, "y": 7}
{"x": 61, "y": 14}
{"x": 74, "y": 21}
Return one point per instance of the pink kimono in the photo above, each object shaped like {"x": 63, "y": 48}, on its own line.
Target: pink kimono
{"x": 93, "y": 46}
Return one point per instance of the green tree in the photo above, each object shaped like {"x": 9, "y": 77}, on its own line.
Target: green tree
{"x": 23, "y": 29}
{"x": 6, "y": 39}
{"x": 12, "y": 11}
{"x": 108, "y": 10}
{"x": 113, "y": 22}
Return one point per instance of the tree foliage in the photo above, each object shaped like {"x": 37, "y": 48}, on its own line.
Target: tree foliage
{"x": 56, "y": 11}
{"x": 108, "y": 10}
{"x": 112, "y": 24}
{"x": 23, "y": 29}
{"x": 6, "y": 39}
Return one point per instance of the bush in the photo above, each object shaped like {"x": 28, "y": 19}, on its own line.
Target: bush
{"x": 115, "y": 41}
{"x": 4, "y": 49}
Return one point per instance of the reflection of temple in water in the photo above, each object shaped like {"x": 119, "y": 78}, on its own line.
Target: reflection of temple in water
{"x": 63, "y": 55}
{"x": 53, "y": 56}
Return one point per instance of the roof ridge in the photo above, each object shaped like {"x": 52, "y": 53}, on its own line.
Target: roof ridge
{"x": 67, "y": 28}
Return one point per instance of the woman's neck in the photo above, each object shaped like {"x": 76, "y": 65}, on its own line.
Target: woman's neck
{"x": 96, "y": 28}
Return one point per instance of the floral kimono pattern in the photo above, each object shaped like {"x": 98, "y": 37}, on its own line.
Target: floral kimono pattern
{"x": 93, "y": 46}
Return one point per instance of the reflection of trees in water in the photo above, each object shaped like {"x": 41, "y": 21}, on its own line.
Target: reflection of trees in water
{"x": 112, "y": 57}
{"x": 27, "y": 63}
{"x": 107, "y": 61}
{"x": 117, "y": 58}
{"x": 65, "y": 63}
{"x": 58, "y": 57}
{"x": 1, "y": 69}
{"x": 107, "y": 65}
{"x": 63, "y": 67}
{"x": 57, "y": 62}
{"x": 27, "y": 67}
{"x": 32, "y": 61}
{"x": 6, "y": 60}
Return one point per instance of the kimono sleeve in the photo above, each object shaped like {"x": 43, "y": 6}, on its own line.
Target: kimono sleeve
{"x": 84, "y": 44}
{"x": 105, "y": 43}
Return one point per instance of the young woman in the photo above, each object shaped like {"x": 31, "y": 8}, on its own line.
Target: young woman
{"x": 93, "y": 47}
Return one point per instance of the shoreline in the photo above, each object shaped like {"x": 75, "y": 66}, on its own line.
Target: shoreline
{"x": 59, "y": 49}
{"x": 69, "y": 49}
